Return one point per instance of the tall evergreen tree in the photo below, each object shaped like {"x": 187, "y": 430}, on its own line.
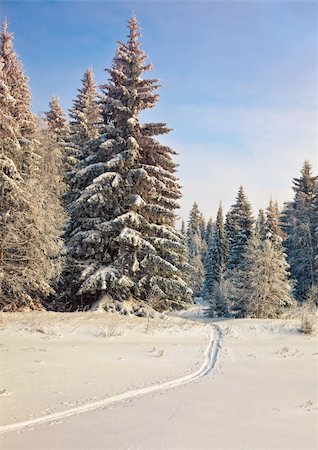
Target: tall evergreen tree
{"x": 86, "y": 116}
{"x": 123, "y": 243}
{"x": 208, "y": 238}
{"x": 28, "y": 241}
{"x": 300, "y": 220}
{"x": 196, "y": 248}
{"x": 85, "y": 113}
{"x": 273, "y": 223}
{"x": 52, "y": 136}
{"x": 238, "y": 229}
{"x": 239, "y": 225}
{"x": 209, "y": 232}
{"x": 56, "y": 119}
{"x": 216, "y": 268}
{"x": 262, "y": 284}
{"x": 85, "y": 127}
{"x": 14, "y": 77}
{"x": 260, "y": 224}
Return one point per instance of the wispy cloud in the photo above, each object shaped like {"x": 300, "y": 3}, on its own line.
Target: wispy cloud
{"x": 262, "y": 149}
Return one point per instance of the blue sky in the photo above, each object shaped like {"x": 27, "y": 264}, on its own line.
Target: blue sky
{"x": 239, "y": 82}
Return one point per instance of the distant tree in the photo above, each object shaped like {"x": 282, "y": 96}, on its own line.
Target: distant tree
{"x": 209, "y": 232}
{"x": 273, "y": 222}
{"x": 219, "y": 303}
{"x": 86, "y": 114}
{"x": 299, "y": 220}
{"x": 56, "y": 119}
{"x": 86, "y": 121}
{"x": 215, "y": 285}
{"x": 238, "y": 227}
{"x": 208, "y": 238}
{"x": 262, "y": 284}
{"x": 196, "y": 248}
{"x": 261, "y": 224}
{"x": 59, "y": 135}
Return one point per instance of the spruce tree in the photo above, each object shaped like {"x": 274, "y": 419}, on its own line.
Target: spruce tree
{"x": 56, "y": 119}
{"x": 209, "y": 232}
{"x": 14, "y": 77}
{"x": 260, "y": 224}
{"x": 122, "y": 242}
{"x": 300, "y": 220}
{"x": 215, "y": 282}
{"x": 273, "y": 223}
{"x": 238, "y": 227}
{"x": 208, "y": 237}
{"x": 59, "y": 135}
{"x": 85, "y": 127}
{"x": 196, "y": 248}
{"x": 85, "y": 124}
{"x": 61, "y": 151}
{"x": 262, "y": 284}
{"x": 85, "y": 115}
{"x": 28, "y": 241}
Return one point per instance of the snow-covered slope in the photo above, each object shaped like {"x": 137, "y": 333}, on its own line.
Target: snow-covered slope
{"x": 261, "y": 393}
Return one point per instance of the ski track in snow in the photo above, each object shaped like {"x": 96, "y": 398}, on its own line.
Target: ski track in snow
{"x": 210, "y": 356}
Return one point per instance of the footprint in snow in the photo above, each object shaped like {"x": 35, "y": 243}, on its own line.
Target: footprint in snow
{"x": 159, "y": 353}
{"x": 4, "y": 392}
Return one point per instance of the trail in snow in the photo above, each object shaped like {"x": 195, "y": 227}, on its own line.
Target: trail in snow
{"x": 210, "y": 356}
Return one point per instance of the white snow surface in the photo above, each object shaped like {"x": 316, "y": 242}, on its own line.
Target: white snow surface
{"x": 99, "y": 381}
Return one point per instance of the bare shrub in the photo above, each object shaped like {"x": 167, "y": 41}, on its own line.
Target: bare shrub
{"x": 110, "y": 329}
{"x": 307, "y": 324}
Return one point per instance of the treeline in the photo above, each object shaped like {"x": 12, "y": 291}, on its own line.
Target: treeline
{"x": 256, "y": 268}
{"x": 88, "y": 206}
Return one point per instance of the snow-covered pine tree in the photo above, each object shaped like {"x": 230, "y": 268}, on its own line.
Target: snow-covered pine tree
{"x": 27, "y": 242}
{"x": 84, "y": 128}
{"x": 215, "y": 283}
{"x": 273, "y": 222}
{"x": 86, "y": 117}
{"x": 299, "y": 221}
{"x": 11, "y": 199}
{"x": 238, "y": 227}
{"x": 260, "y": 224}
{"x": 196, "y": 248}
{"x": 16, "y": 80}
{"x": 59, "y": 135}
{"x": 85, "y": 114}
{"x": 208, "y": 236}
{"x": 56, "y": 119}
{"x": 262, "y": 284}
{"x": 51, "y": 141}
{"x": 123, "y": 243}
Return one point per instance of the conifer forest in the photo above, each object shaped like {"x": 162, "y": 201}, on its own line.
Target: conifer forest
{"x": 148, "y": 300}
{"x": 89, "y": 209}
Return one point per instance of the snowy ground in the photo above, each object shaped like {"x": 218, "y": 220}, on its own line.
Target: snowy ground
{"x": 257, "y": 391}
